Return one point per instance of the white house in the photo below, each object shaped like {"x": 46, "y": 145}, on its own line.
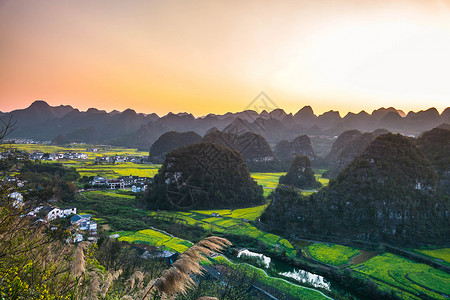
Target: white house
{"x": 84, "y": 222}
{"x": 53, "y": 213}
{"x": 68, "y": 211}
{"x": 17, "y": 199}
{"x": 99, "y": 180}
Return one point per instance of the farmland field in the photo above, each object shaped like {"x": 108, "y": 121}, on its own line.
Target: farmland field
{"x": 442, "y": 254}
{"x": 154, "y": 238}
{"x": 103, "y": 150}
{"x": 412, "y": 279}
{"x": 229, "y": 221}
{"x": 332, "y": 254}
{"x": 118, "y": 169}
{"x": 86, "y": 167}
{"x": 251, "y": 213}
{"x": 269, "y": 181}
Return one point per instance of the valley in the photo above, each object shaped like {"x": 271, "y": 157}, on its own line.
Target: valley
{"x": 119, "y": 214}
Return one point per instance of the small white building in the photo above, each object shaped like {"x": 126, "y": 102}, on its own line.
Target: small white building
{"x": 17, "y": 199}
{"x": 53, "y": 213}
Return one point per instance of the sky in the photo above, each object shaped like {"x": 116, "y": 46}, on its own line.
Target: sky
{"x": 216, "y": 56}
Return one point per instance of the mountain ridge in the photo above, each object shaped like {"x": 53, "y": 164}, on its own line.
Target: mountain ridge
{"x": 40, "y": 121}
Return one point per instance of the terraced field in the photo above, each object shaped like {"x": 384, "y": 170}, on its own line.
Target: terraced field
{"x": 154, "y": 238}
{"x": 407, "y": 278}
{"x": 229, "y": 221}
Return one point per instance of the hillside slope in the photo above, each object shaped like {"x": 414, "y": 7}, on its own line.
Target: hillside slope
{"x": 389, "y": 193}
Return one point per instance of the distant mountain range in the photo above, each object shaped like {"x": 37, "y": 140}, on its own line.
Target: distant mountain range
{"x": 41, "y": 121}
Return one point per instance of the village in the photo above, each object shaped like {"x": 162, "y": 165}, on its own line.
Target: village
{"x": 69, "y": 155}
{"x": 135, "y": 183}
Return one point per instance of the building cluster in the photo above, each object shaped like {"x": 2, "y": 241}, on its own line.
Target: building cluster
{"x": 80, "y": 224}
{"x": 13, "y": 153}
{"x": 135, "y": 183}
{"x": 38, "y": 155}
{"x": 121, "y": 158}
{"x": 26, "y": 141}
{"x": 83, "y": 223}
{"x": 13, "y": 181}
{"x": 49, "y": 213}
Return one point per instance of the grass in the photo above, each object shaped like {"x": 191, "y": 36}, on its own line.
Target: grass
{"x": 412, "y": 279}
{"x": 154, "y": 238}
{"x": 332, "y": 254}
{"x": 114, "y": 207}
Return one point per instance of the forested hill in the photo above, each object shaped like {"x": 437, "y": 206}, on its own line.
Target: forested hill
{"x": 168, "y": 142}
{"x": 390, "y": 193}
{"x": 203, "y": 176}
{"x": 435, "y": 144}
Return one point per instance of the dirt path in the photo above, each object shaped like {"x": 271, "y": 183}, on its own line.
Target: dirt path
{"x": 363, "y": 256}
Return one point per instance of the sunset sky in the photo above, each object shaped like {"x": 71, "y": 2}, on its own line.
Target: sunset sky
{"x": 217, "y": 56}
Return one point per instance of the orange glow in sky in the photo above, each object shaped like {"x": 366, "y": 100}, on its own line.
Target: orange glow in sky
{"x": 216, "y": 56}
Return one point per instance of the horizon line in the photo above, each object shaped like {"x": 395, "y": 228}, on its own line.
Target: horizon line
{"x": 233, "y": 112}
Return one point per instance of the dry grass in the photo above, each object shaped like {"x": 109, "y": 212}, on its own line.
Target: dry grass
{"x": 177, "y": 279}
{"x": 78, "y": 267}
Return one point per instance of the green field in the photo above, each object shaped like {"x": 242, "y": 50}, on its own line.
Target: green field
{"x": 407, "y": 278}
{"x": 103, "y": 150}
{"x": 286, "y": 288}
{"x": 87, "y": 167}
{"x": 154, "y": 238}
{"x": 231, "y": 222}
{"x": 251, "y": 213}
{"x": 269, "y": 181}
{"x": 441, "y": 254}
{"x": 332, "y": 254}
{"x": 118, "y": 169}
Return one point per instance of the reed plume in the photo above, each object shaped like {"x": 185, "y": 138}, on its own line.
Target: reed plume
{"x": 177, "y": 279}
{"x": 94, "y": 287}
{"x": 78, "y": 267}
